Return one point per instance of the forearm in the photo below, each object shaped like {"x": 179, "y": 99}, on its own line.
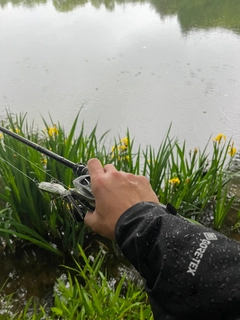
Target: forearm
{"x": 184, "y": 270}
{"x": 138, "y": 230}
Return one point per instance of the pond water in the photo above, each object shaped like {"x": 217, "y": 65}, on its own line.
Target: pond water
{"x": 129, "y": 64}
{"x": 26, "y": 274}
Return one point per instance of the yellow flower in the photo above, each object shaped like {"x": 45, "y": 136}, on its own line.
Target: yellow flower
{"x": 122, "y": 148}
{"x": 232, "y": 150}
{"x": 174, "y": 181}
{"x": 53, "y": 131}
{"x": 219, "y": 137}
{"x": 15, "y": 130}
{"x": 44, "y": 161}
{"x": 124, "y": 141}
{"x": 1, "y": 136}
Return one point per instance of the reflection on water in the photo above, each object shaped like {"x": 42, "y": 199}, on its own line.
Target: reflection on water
{"x": 201, "y": 14}
{"x": 192, "y": 15}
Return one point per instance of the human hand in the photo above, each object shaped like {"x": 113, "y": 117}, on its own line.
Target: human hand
{"x": 114, "y": 192}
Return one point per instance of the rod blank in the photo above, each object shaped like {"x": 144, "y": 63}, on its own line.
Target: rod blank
{"x": 39, "y": 148}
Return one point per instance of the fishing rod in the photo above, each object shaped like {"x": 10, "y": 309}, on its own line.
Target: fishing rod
{"x": 80, "y": 197}
{"x": 77, "y": 169}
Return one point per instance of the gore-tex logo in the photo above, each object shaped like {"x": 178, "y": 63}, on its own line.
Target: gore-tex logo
{"x": 210, "y": 235}
{"x": 199, "y": 253}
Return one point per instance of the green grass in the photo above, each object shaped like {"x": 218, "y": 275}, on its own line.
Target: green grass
{"x": 194, "y": 181}
{"x": 22, "y": 167}
{"x": 86, "y": 293}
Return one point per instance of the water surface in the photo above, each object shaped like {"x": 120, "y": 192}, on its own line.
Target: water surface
{"x": 129, "y": 64}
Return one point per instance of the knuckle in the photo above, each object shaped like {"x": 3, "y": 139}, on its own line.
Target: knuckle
{"x": 109, "y": 165}
{"x": 143, "y": 179}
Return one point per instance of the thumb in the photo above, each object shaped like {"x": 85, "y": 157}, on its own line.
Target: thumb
{"x": 89, "y": 219}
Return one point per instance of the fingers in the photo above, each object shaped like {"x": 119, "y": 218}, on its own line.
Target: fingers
{"x": 109, "y": 168}
{"x": 93, "y": 221}
{"x": 95, "y": 167}
{"x": 89, "y": 219}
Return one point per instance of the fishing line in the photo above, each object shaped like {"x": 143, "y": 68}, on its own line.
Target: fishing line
{"x": 11, "y": 165}
{"x": 80, "y": 197}
{"x": 69, "y": 197}
{"x": 33, "y": 164}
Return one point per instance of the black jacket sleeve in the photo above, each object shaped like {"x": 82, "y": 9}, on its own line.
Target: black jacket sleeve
{"x": 191, "y": 272}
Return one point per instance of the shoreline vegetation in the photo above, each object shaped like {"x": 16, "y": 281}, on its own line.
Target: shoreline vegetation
{"x": 195, "y": 181}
